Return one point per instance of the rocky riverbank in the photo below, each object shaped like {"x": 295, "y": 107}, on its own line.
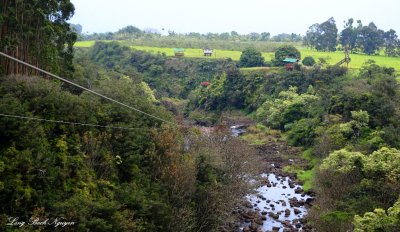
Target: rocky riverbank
{"x": 278, "y": 203}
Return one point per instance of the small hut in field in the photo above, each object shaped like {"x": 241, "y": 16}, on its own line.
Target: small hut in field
{"x": 179, "y": 52}
{"x": 207, "y": 52}
{"x": 289, "y": 63}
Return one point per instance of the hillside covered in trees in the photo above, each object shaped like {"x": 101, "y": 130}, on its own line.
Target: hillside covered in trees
{"x": 325, "y": 36}
{"x": 69, "y": 156}
{"x": 79, "y": 162}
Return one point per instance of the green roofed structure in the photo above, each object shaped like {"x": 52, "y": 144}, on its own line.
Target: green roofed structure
{"x": 179, "y": 52}
{"x": 290, "y": 60}
{"x": 290, "y": 63}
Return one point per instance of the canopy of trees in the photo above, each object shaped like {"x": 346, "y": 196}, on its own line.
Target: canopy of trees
{"x": 37, "y": 32}
{"x": 327, "y": 110}
{"x": 250, "y": 57}
{"x": 367, "y": 39}
{"x": 149, "y": 176}
{"x": 286, "y": 51}
{"x": 322, "y": 36}
{"x": 141, "y": 179}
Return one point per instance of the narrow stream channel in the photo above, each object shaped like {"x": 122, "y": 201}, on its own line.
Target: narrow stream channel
{"x": 278, "y": 204}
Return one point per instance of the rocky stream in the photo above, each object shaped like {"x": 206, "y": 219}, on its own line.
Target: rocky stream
{"x": 278, "y": 203}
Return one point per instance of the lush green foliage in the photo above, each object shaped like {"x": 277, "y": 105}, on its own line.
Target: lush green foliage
{"x": 379, "y": 220}
{"x": 308, "y": 61}
{"x": 157, "y": 70}
{"x": 38, "y": 33}
{"x": 94, "y": 176}
{"x": 348, "y": 36}
{"x": 226, "y": 40}
{"x": 322, "y": 36}
{"x": 369, "y": 39}
{"x": 341, "y": 110}
{"x": 287, "y": 108}
{"x": 141, "y": 179}
{"x": 158, "y": 178}
{"x": 286, "y": 51}
{"x": 331, "y": 58}
{"x": 224, "y": 92}
{"x": 251, "y": 58}
{"x": 361, "y": 178}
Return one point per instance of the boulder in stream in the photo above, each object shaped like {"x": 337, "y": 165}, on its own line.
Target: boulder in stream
{"x": 247, "y": 204}
{"x": 264, "y": 213}
{"x": 254, "y": 226}
{"x": 273, "y": 215}
{"x": 287, "y": 212}
{"x": 298, "y": 190}
{"x": 259, "y": 221}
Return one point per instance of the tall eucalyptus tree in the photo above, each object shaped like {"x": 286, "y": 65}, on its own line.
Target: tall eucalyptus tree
{"x": 37, "y": 32}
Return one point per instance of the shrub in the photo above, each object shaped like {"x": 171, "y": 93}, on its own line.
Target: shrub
{"x": 302, "y": 132}
{"x": 308, "y": 61}
{"x": 379, "y": 220}
{"x": 251, "y": 58}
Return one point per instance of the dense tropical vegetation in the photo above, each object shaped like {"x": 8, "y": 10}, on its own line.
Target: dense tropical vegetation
{"x": 367, "y": 39}
{"x": 350, "y": 125}
{"x": 140, "y": 179}
{"x": 126, "y": 171}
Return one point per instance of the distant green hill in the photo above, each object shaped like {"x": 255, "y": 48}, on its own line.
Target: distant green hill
{"x": 357, "y": 60}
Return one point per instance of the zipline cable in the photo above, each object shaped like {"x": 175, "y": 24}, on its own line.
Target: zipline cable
{"x": 84, "y": 88}
{"x": 70, "y": 123}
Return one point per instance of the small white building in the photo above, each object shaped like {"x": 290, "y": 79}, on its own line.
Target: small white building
{"x": 207, "y": 51}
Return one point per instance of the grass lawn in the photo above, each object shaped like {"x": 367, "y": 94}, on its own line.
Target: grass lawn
{"x": 89, "y": 43}
{"x": 193, "y": 52}
{"x": 357, "y": 60}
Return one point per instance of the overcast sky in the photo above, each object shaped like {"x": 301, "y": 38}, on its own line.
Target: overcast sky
{"x": 243, "y": 16}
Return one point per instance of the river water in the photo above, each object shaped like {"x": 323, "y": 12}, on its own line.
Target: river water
{"x": 281, "y": 201}
{"x": 278, "y": 204}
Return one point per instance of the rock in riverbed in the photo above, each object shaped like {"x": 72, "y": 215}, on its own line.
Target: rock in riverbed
{"x": 287, "y": 212}
{"x": 273, "y": 215}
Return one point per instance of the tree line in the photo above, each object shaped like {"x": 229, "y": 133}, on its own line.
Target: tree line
{"x": 132, "y": 35}
{"x": 143, "y": 178}
{"x": 131, "y": 32}
{"x": 355, "y": 37}
{"x": 348, "y": 123}
{"x": 359, "y": 38}
{"x": 150, "y": 178}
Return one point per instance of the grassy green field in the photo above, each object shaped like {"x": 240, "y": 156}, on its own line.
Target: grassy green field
{"x": 357, "y": 60}
{"x": 84, "y": 44}
{"x": 193, "y": 52}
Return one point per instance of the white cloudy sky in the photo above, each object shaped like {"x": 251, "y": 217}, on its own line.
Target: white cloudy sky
{"x": 243, "y": 16}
